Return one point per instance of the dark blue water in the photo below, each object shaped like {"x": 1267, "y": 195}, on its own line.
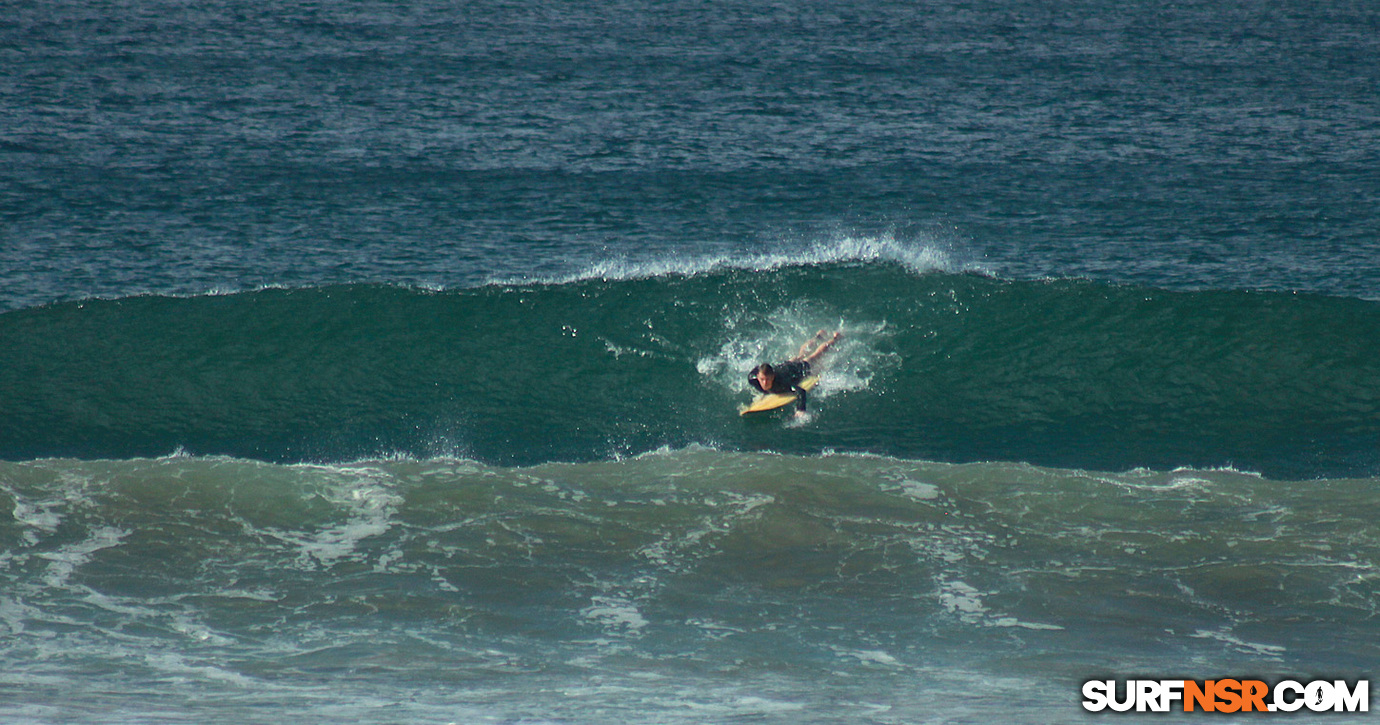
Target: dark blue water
{"x": 380, "y": 362}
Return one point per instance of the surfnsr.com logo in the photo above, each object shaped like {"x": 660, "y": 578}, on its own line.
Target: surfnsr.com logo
{"x": 1227, "y": 695}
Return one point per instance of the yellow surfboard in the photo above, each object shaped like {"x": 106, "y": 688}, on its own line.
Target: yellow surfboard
{"x": 773, "y": 401}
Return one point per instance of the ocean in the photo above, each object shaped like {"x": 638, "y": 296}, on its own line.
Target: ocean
{"x": 381, "y": 362}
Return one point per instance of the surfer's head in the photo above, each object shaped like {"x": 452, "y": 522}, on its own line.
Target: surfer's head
{"x": 765, "y": 375}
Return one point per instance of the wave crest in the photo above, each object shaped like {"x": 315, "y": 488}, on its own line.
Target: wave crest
{"x": 917, "y": 258}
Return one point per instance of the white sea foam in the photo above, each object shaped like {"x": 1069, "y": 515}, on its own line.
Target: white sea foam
{"x": 917, "y": 490}
{"x": 40, "y": 519}
{"x": 668, "y": 551}
{"x": 918, "y": 258}
{"x": 615, "y": 614}
{"x": 868, "y": 656}
{"x": 371, "y": 506}
{"x": 966, "y": 602}
{"x": 65, "y": 560}
{"x": 962, "y": 599}
{"x": 1268, "y": 651}
{"x": 1013, "y": 622}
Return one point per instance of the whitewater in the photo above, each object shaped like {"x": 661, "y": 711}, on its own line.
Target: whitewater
{"x": 677, "y": 586}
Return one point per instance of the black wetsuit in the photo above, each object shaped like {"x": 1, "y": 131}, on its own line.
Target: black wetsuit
{"x": 786, "y": 381}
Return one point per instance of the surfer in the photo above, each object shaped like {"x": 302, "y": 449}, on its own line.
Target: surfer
{"x": 785, "y": 377}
